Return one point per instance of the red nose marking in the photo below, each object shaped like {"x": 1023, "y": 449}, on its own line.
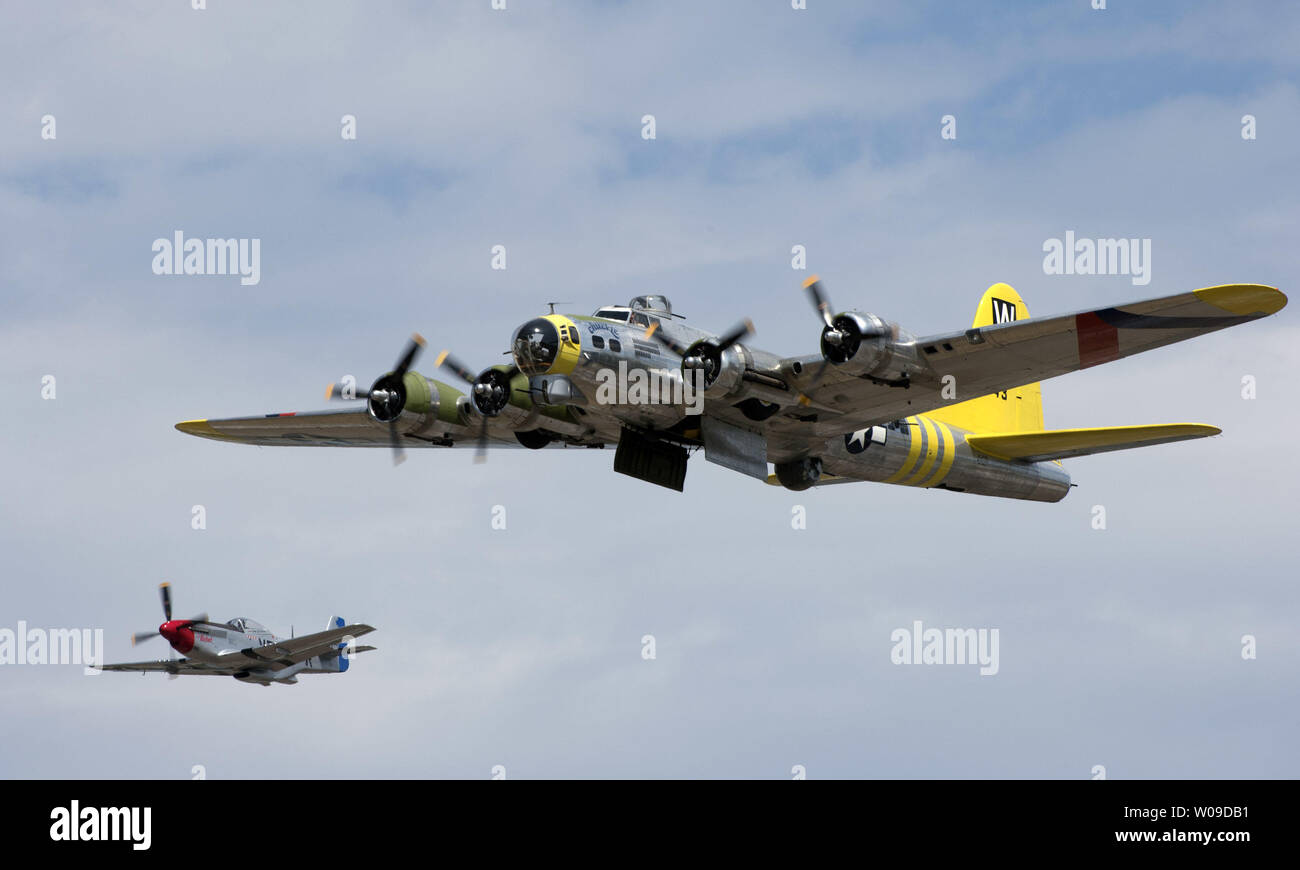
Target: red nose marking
{"x": 178, "y": 634}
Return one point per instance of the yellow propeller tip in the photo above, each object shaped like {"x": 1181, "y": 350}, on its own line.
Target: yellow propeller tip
{"x": 164, "y": 583}
{"x": 813, "y": 279}
{"x": 651, "y": 330}
{"x": 442, "y": 357}
{"x": 329, "y": 391}
{"x": 418, "y": 339}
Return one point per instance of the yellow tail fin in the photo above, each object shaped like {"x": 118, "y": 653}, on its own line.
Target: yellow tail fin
{"x": 1017, "y": 410}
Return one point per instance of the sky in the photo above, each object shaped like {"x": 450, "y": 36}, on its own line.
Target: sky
{"x": 519, "y": 651}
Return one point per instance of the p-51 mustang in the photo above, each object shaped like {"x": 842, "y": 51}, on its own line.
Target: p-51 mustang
{"x": 960, "y": 411}
{"x": 243, "y": 649}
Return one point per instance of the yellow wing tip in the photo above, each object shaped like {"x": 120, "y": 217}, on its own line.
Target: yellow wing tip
{"x": 195, "y": 427}
{"x": 1244, "y": 299}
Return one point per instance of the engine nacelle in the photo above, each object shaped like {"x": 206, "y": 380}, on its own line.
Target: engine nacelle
{"x": 720, "y": 371}
{"x": 414, "y": 401}
{"x": 731, "y": 374}
{"x": 864, "y": 344}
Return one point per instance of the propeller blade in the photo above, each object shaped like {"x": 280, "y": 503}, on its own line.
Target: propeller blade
{"x": 739, "y": 331}
{"x": 142, "y": 635}
{"x": 653, "y": 332}
{"x": 202, "y": 617}
{"x": 395, "y": 439}
{"x": 165, "y": 589}
{"x": 819, "y": 299}
{"x": 335, "y": 391}
{"x": 456, "y": 367}
{"x": 413, "y": 349}
{"x": 481, "y": 448}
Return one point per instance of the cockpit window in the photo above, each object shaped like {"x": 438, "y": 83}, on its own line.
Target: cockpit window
{"x": 652, "y": 303}
{"x": 638, "y": 319}
{"x": 536, "y": 345}
{"x": 611, "y": 314}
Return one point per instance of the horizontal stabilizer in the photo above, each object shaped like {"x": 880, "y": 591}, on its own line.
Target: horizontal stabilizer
{"x": 1064, "y": 443}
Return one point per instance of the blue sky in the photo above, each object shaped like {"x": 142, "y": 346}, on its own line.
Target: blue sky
{"x": 774, "y": 128}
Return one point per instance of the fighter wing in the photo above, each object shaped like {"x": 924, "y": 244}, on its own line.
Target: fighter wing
{"x": 290, "y": 651}
{"x": 172, "y": 666}
{"x": 990, "y": 359}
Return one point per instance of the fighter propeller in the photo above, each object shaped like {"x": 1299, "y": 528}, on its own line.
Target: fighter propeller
{"x": 170, "y": 626}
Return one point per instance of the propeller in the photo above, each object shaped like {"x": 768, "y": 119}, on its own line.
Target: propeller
{"x": 706, "y": 354}
{"x": 653, "y": 332}
{"x": 489, "y": 391}
{"x": 387, "y": 395}
{"x": 819, "y": 299}
{"x": 703, "y": 355}
{"x": 165, "y": 592}
{"x": 822, "y": 302}
{"x": 842, "y": 334}
{"x": 338, "y": 391}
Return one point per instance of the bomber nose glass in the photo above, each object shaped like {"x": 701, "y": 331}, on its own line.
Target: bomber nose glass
{"x": 536, "y": 346}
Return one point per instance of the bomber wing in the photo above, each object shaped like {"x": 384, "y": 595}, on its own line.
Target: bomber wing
{"x": 341, "y": 428}
{"x": 989, "y": 359}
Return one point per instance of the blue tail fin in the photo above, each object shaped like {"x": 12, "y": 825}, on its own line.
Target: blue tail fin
{"x": 342, "y": 656}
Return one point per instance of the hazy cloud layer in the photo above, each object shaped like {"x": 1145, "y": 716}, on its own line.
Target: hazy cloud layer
{"x": 522, "y": 647}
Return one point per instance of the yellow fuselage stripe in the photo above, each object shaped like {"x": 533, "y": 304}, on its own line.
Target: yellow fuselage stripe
{"x": 949, "y": 454}
{"x": 931, "y": 451}
{"x": 913, "y": 451}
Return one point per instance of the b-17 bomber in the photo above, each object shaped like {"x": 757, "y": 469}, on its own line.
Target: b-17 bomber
{"x": 960, "y": 411}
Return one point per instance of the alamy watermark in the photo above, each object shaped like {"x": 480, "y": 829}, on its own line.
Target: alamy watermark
{"x": 1071, "y": 256}
{"x": 53, "y": 646}
{"x": 181, "y": 256}
{"x": 642, "y": 386}
{"x": 946, "y": 646}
